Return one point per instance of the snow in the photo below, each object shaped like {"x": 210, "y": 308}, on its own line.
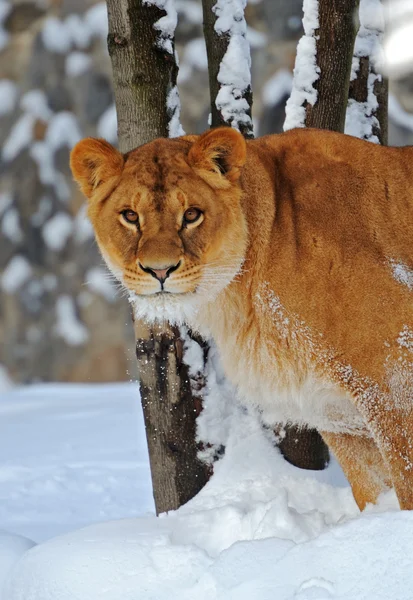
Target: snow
{"x": 147, "y": 559}
{"x": 8, "y": 96}
{"x": 35, "y": 103}
{"x": 75, "y": 32}
{"x": 44, "y": 209}
{"x": 79, "y": 31}
{"x": 70, "y": 456}
{"x": 234, "y": 73}
{"x": 277, "y": 87}
{"x": 398, "y": 47}
{"x": 107, "y": 126}
{"x": 6, "y": 200}
{"x": 220, "y": 409}
{"x": 6, "y": 383}
{"x": 306, "y": 71}
{"x": 402, "y": 273}
{"x": 360, "y": 117}
{"x": 63, "y": 131}
{"x": 82, "y": 226}
{"x": 57, "y": 230}
{"x": 68, "y": 326}
{"x": 173, "y": 106}
{"x": 190, "y": 10}
{"x": 260, "y": 529}
{"x": 256, "y": 39}
{"x": 193, "y": 354}
{"x": 166, "y": 25}
{"x": 77, "y": 63}
{"x": 19, "y": 138}
{"x": 97, "y": 20}
{"x": 12, "y": 546}
{"x": 56, "y": 36}
{"x": 195, "y": 55}
{"x": 10, "y": 225}
{"x": 398, "y": 115}
{"x": 16, "y": 273}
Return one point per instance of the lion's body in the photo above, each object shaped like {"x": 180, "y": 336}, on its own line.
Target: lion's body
{"x": 316, "y": 327}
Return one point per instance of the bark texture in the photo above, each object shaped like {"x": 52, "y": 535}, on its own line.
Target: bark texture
{"x": 335, "y": 43}
{"x": 170, "y": 410}
{"x": 304, "y": 448}
{"x": 144, "y": 74}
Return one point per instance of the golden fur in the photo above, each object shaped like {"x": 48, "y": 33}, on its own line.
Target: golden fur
{"x": 300, "y": 266}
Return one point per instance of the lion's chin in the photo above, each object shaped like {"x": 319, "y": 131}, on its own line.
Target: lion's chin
{"x": 162, "y": 307}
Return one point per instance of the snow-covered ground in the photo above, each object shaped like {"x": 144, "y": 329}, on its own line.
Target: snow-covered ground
{"x": 73, "y": 456}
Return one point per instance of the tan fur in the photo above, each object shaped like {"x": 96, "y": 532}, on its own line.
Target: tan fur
{"x": 301, "y": 269}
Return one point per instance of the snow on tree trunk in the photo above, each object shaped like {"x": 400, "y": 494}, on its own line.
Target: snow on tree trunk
{"x": 141, "y": 46}
{"x": 323, "y": 65}
{"x": 368, "y": 95}
{"x": 229, "y": 64}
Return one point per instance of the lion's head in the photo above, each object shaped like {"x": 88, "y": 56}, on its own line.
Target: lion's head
{"x": 167, "y": 217}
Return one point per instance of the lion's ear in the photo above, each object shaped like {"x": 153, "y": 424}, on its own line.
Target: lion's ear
{"x": 93, "y": 163}
{"x": 218, "y": 156}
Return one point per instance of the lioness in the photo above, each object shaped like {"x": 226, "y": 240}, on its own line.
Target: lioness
{"x": 295, "y": 253}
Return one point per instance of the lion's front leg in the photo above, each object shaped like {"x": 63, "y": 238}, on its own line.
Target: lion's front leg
{"x": 392, "y": 428}
{"x": 362, "y": 464}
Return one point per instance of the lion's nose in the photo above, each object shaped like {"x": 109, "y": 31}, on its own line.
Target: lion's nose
{"x": 160, "y": 274}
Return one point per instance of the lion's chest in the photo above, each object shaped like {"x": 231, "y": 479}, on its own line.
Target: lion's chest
{"x": 280, "y": 377}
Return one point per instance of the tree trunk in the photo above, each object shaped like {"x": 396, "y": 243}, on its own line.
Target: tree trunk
{"x": 369, "y": 90}
{"x": 170, "y": 412}
{"x": 301, "y": 447}
{"x": 217, "y": 44}
{"x": 334, "y": 51}
{"x": 334, "y": 44}
{"x": 145, "y": 71}
{"x": 304, "y": 448}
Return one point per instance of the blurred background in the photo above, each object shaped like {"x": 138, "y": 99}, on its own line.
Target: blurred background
{"x": 60, "y": 316}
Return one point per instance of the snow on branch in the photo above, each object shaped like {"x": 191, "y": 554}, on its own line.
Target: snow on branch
{"x": 306, "y": 71}
{"x": 165, "y": 26}
{"x": 363, "y": 104}
{"x": 234, "y": 74}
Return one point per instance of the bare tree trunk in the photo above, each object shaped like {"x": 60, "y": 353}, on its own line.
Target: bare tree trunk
{"x": 145, "y": 72}
{"x": 304, "y": 448}
{"x": 334, "y": 50}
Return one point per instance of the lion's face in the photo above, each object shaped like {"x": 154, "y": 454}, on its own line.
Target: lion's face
{"x": 167, "y": 217}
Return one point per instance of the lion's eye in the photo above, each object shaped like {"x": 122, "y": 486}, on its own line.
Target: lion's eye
{"x": 130, "y": 216}
{"x": 192, "y": 215}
